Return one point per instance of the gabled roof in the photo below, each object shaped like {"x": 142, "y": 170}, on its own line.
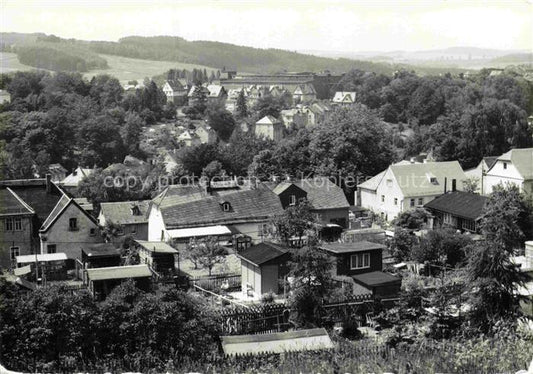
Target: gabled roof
{"x": 73, "y": 179}
{"x": 267, "y": 120}
{"x": 61, "y": 207}
{"x": 340, "y": 248}
{"x": 186, "y": 135}
{"x": 12, "y": 204}
{"x": 460, "y": 204}
{"x": 344, "y": 97}
{"x": 122, "y": 213}
{"x": 413, "y": 179}
{"x": 280, "y": 188}
{"x": 215, "y": 90}
{"x": 262, "y": 253}
{"x": 372, "y": 183}
{"x": 175, "y": 84}
{"x": 490, "y": 161}
{"x": 322, "y": 193}
{"x": 194, "y": 88}
{"x": 205, "y": 209}
{"x": 522, "y": 160}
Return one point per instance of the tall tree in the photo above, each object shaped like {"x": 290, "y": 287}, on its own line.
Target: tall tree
{"x": 241, "y": 107}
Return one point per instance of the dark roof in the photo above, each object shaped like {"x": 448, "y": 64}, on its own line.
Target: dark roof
{"x": 262, "y": 253}
{"x": 460, "y": 204}
{"x": 375, "y": 278}
{"x": 60, "y": 207}
{"x": 34, "y": 192}
{"x": 101, "y": 250}
{"x": 490, "y": 160}
{"x": 322, "y": 193}
{"x": 12, "y": 204}
{"x": 205, "y": 209}
{"x": 338, "y": 248}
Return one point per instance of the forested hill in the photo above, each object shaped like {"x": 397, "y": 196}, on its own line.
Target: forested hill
{"x": 231, "y": 56}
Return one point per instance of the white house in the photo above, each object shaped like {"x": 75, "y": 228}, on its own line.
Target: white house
{"x": 345, "y": 98}
{"x": 514, "y": 167}
{"x": 406, "y": 186}
{"x": 270, "y": 128}
{"x": 175, "y": 91}
{"x": 74, "y": 179}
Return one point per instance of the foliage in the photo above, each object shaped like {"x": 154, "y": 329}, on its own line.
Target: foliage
{"x": 402, "y": 244}
{"x": 312, "y": 283}
{"x": 493, "y": 281}
{"x": 213, "y": 170}
{"x": 241, "y": 106}
{"x": 239, "y": 153}
{"x": 220, "y": 120}
{"x": 444, "y": 247}
{"x": 471, "y": 185}
{"x": 507, "y": 217}
{"x": 295, "y": 221}
{"x": 206, "y": 253}
{"x": 413, "y": 219}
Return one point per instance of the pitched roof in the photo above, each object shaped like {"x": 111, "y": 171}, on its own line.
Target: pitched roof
{"x": 415, "y": 179}
{"x": 11, "y": 203}
{"x": 460, "y": 204}
{"x": 322, "y": 193}
{"x": 60, "y": 207}
{"x": 159, "y": 247}
{"x": 341, "y": 96}
{"x": 45, "y": 257}
{"x": 205, "y": 209}
{"x": 76, "y": 176}
{"x": 119, "y": 272}
{"x": 522, "y": 160}
{"x": 339, "y": 248}
{"x": 372, "y": 183}
{"x": 267, "y": 120}
{"x": 376, "y": 278}
{"x": 175, "y": 84}
{"x": 215, "y": 90}
{"x": 123, "y": 212}
{"x": 262, "y": 253}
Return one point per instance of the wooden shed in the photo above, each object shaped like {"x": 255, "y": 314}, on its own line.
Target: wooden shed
{"x": 101, "y": 281}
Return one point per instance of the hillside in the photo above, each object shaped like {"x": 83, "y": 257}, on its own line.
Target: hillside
{"x": 220, "y": 55}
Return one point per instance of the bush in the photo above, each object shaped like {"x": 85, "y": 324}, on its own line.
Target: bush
{"x": 267, "y": 297}
{"x": 350, "y": 329}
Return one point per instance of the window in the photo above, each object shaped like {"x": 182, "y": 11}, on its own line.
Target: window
{"x": 505, "y": 165}
{"x": 92, "y": 232}
{"x": 73, "y": 224}
{"x": 292, "y": 200}
{"x": 9, "y": 224}
{"x": 389, "y": 182}
{"x": 421, "y": 201}
{"x": 51, "y": 248}
{"x": 395, "y": 201}
{"x": 226, "y": 207}
{"x": 14, "y": 252}
{"x": 412, "y": 203}
{"x": 447, "y": 218}
{"x": 360, "y": 261}
{"x": 382, "y": 198}
{"x": 18, "y": 224}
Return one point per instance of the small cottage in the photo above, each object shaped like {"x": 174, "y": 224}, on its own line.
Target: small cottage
{"x": 101, "y": 281}
{"x": 354, "y": 258}
{"x": 160, "y": 256}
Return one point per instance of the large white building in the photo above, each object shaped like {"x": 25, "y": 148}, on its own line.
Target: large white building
{"x": 405, "y": 186}
{"x": 513, "y": 167}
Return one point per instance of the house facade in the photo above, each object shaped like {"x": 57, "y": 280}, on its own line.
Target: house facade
{"x": 458, "y": 210}
{"x": 354, "y": 258}
{"x": 16, "y": 225}
{"x": 270, "y": 128}
{"x": 67, "y": 228}
{"x": 405, "y": 186}
{"x": 130, "y": 216}
{"x": 514, "y": 167}
{"x": 175, "y": 91}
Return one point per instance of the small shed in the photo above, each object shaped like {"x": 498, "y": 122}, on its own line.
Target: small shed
{"x": 355, "y": 258}
{"x": 158, "y": 255}
{"x": 101, "y": 281}
{"x": 50, "y": 266}
{"x": 262, "y": 267}
{"x": 381, "y": 284}
{"x": 100, "y": 255}
{"x": 279, "y": 342}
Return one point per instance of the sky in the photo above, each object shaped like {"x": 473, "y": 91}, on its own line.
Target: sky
{"x": 320, "y": 25}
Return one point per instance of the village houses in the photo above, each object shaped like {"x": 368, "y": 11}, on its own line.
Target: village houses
{"x": 270, "y": 128}
{"x": 513, "y": 167}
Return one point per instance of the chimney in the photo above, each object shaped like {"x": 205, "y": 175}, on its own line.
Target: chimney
{"x": 48, "y": 183}
{"x": 454, "y": 185}
{"x": 445, "y": 184}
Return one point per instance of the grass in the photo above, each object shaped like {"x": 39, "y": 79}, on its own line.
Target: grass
{"x": 122, "y": 68}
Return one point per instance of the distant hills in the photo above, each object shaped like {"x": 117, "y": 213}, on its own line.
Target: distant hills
{"x": 55, "y": 53}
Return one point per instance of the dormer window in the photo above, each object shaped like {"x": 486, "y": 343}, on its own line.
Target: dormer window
{"x": 226, "y": 207}
{"x": 135, "y": 211}
{"x": 432, "y": 178}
